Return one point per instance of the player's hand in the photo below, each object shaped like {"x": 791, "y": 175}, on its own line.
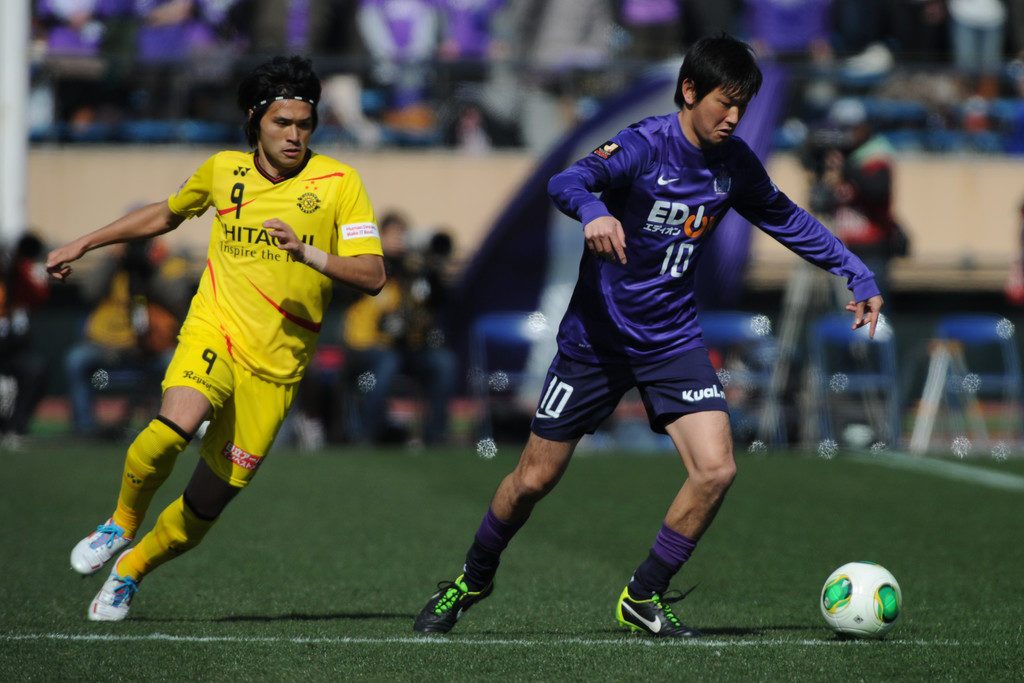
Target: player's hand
{"x": 285, "y": 237}
{"x": 57, "y": 260}
{"x": 866, "y": 312}
{"x": 606, "y": 239}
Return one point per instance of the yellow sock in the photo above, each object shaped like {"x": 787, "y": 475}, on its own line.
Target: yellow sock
{"x": 177, "y": 530}
{"x": 150, "y": 461}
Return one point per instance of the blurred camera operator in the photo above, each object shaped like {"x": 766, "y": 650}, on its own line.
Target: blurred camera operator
{"x": 400, "y": 331}
{"x": 23, "y": 287}
{"x": 854, "y": 186}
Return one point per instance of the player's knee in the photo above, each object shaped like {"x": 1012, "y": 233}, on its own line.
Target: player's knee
{"x": 721, "y": 475}
{"x": 716, "y": 476}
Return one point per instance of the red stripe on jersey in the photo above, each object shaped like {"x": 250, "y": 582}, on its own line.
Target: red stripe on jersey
{"x": 221, "y": 212}
{"x": 213, "y": 281}
{"x": 298, "y": 320}
{"x": 337, "y": 174}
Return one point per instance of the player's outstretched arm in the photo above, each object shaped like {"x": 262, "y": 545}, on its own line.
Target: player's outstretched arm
{"x": 866, "y": 313}
{"x": 364, "y": 272}
{"x": 146, "y": 221}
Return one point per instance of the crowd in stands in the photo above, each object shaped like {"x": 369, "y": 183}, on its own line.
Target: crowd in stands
{"x": 479, "y": 74}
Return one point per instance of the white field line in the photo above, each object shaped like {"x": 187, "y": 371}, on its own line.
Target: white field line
{"x": 957, "y": 471}
{"x": 440, "y": 641}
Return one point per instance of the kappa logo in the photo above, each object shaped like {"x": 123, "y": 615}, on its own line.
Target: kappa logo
{"x": 608, "y": 150}
{"x": 694, "y": 395}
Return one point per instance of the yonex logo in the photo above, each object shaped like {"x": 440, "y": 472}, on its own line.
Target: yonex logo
{"x": 692, "y": 396}
{"x": 241, "y": 170}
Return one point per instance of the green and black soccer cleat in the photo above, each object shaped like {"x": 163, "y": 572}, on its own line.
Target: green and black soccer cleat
{"x": 447, "y": 605}
{"x": 653, "y": 616}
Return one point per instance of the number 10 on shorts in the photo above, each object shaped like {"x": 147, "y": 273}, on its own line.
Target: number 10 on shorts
{"x": 555, "y": 397}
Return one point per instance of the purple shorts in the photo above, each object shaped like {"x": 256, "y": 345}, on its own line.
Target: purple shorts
{"x": 577, "y": 397}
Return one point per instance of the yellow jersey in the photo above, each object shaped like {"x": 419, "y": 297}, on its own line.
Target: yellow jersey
{"x": 269, "y": 306}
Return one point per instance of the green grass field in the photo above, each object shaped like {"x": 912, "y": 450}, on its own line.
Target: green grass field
{"x": 317, "y": 571}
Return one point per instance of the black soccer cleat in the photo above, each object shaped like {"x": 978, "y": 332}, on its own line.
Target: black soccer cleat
{"x": 653, "y": 615}
{"x": 447, "y": 605}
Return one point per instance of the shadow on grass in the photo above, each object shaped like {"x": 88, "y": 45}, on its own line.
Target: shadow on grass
{"x": 291, "y": 616}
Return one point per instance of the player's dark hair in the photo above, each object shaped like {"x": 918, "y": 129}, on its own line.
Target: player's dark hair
{"x": 280, "y": 78}
{"x": 719, "y": 61}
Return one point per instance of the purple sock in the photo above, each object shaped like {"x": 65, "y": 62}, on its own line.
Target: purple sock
{"x": 670, "y": 550}
{"x": 495, "y": 534}
{"x": 485, "y": 554}
{"x": 672, "y": 547}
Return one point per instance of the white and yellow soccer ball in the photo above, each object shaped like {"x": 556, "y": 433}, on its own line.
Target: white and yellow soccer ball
{"x": 861, "y": 599}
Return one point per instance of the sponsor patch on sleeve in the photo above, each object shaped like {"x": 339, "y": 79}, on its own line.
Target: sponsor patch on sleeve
{"x": 354, "y": 231}
{"x": 607, "y": 150}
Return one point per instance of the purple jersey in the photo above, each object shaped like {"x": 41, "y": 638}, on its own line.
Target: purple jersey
{"x": 669, "y": 197}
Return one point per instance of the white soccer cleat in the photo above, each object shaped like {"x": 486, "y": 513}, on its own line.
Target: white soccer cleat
{"x": 115, "y": 598}
{"x": 96, "y": 549}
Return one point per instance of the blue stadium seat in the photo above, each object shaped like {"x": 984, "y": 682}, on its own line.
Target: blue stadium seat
{"x": 206, "y": 132}
{"x": 748, "y": 336}
{"x": 989, "y": 345}
{"x": 148, "y": 131}
{"x": 848, "y": 362}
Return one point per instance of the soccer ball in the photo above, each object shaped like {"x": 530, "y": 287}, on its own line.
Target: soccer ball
{"x": 861, "y": 599}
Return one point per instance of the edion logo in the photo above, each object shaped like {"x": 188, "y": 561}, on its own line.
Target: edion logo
{"x": 692, "y": 396}
{"x": 677, "y": 213}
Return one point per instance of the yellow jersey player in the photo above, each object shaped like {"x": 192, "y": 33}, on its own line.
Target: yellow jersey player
{"x": 286, "y": 222}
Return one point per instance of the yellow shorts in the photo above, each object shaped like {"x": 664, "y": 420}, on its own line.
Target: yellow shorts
{"x": 247, "y": 410}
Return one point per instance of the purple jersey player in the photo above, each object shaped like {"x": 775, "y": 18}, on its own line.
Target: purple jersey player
{"x": 664, "y": 184}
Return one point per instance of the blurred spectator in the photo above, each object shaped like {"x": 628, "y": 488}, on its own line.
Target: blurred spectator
{"x": 978, "y": 28}
{"x": 858, "y": 24}
{"x": 402, "y": 38}
{"x": 75, "y": 28}
{"x": 711, "y": 17}
{"x": 180, "y": 43}
{"x": 920, "y": 29}
{"x": 131, "y": 327}
{"x": 654, "y": 27}
{"x": 399, "y": 331}
{"x": 1016, "y": 27}
{"x": 23, "y": 286}
{"x": 565, "y": 47}
{"x": 790, "y": 28}
{"x": 857, "y": 172}
{"x": 467, "y": 30}
{"x": 75, "y": 78}
{"x": 304, "y": 26}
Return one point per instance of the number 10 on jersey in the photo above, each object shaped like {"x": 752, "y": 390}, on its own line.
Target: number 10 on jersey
{"x": 674, "y": 253}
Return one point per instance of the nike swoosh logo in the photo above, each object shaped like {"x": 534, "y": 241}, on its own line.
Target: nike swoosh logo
{"x": 655, "y": 625}
{"x": 662, "y": 180}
